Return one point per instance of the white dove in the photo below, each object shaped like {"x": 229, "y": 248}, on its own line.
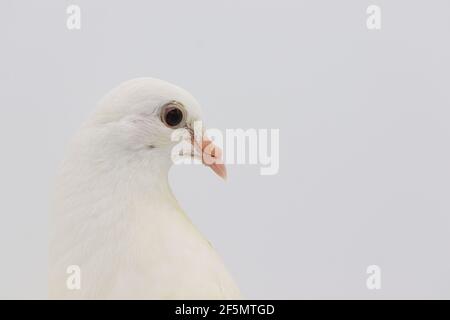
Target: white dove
{"x": 114, "y": 216}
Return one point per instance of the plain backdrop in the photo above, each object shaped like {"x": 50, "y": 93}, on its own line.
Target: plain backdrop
{"x": 364, "y": 133}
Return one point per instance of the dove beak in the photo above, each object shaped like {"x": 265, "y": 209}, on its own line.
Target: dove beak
{"x": 211, "y": 156}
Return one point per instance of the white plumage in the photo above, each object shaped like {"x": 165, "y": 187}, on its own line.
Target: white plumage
{"x": 114, "y": 214}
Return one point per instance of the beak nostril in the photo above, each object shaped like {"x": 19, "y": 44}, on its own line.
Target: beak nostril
{"x": 211, "y": 155}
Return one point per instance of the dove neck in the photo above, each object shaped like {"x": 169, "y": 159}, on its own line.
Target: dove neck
{"x": 146, "y": 180}
{"x": 116, "y": 184}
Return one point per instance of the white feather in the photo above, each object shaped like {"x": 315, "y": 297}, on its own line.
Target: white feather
{"x": 114, "y": 214}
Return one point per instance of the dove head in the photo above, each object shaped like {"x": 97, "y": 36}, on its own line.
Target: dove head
{"x": 136, "y": 122}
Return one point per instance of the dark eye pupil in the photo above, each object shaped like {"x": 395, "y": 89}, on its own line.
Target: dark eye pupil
{"x": 174, "y": 117}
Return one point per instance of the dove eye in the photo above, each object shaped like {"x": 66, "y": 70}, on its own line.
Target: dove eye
{"x": 172, "y": 114}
